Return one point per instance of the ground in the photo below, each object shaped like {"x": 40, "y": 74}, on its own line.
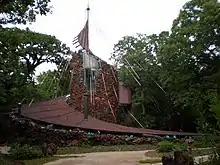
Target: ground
{"x": 123, "y": 155}
{"x": 103, "y": 158}
{"x": 112, "y": 158}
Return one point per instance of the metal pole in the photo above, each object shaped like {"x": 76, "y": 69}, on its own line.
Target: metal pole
{"x": 88, "y": 52}
{"x": 86, "y": 94}
{"x": 19, "y": 109}
{"x": 86, "y": 106}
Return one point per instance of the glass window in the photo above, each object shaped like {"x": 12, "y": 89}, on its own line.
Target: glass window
{"x": 90, "y": 78}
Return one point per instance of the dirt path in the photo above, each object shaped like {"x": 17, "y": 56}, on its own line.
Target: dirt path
{"x": 103, "y": 158}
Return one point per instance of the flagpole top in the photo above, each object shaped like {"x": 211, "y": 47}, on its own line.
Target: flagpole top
{"x": 88, "y": 8}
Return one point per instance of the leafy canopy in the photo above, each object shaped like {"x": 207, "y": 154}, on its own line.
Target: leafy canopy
{"x": 22, "y": 11}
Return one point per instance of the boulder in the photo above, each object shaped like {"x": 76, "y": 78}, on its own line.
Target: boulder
{"x": 49, "y": 149}
{"x": 167, "y": 160}
{"x": 183, "y": 158}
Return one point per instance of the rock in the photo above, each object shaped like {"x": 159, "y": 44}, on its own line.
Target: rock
{"x": 37, "y": 134}
{"x": 183, "y": 158}
{"x": 18, "y": 162}
{"x": 75, "y": 143}
{"x": 53, "y": 147}
{"x": 49, "y": 149}
{"x": 180, "y": 158}
{"x": 44, "y": 149}
{"x": 167, "y": 160}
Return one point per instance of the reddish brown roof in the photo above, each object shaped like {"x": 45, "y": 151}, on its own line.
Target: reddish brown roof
{"x": 58, "y": 112}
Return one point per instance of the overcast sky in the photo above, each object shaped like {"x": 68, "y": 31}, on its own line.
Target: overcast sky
{"x": 110, "y": 20}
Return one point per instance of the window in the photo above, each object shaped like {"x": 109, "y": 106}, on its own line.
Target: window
{"x": 93, "y": 78}
{"x": 90, "y": 78}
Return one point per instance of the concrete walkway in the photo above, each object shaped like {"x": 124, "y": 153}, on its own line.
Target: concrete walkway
{"x": 4, "y": 149}
{"x": 103, "y": 158}
{"x": 113, "y": 158}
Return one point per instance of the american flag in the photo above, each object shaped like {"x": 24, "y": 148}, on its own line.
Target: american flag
{"x": 83, "y": 38}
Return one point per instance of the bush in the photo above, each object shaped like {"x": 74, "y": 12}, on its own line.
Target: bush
{"x": 206, "y": 141}
{"x": 180, "y": 146}
{"x": 167, "y": 146}
{"x": 25, "y": 152}
{"x": 5, "y": 161}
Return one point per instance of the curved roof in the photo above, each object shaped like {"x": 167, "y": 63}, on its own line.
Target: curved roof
{"x": 58, "y": 112}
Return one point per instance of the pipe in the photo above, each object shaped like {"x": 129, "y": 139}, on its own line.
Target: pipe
{"x": 136, "y": 120}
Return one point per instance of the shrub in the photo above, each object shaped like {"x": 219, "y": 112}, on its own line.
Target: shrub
{"x": 167, "y": 146}
{"x": 25, "y": 152}
{"x": 5, "y": 161}
{"x": 180, "y": 146}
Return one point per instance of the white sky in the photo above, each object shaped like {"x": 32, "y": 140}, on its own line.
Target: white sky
{"x": 110, "y": 20}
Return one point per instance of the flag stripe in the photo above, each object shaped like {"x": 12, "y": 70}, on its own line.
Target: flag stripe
{"x": 74, "y": 42}
{"x": 83, "y": 37}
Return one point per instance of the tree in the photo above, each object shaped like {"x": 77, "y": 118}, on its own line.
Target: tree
{"x": 185, "y": 64}
{"x": 193, "y": 53}
{"x": 21, "y": 12}
{"x": 31, "y": 48}
{"x": 139, "y": 69}
{"x": 55, "y": 83}
{"x": 22, "y": 51}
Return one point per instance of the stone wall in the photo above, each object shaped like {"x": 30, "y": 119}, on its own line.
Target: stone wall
{"x": 105, "y": 97}
{"x": 29, "y": 131}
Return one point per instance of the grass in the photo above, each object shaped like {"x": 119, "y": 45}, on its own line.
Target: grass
{"x": 40, "y": 161}
{"x": 78, "y": 150}
{"x": 194, "y": 153}
{"x": 150, "y": 161}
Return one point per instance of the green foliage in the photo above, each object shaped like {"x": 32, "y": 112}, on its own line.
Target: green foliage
{"x": 206, "y": 140}
{"x": 5, "y": 161}
{"x": 136, "y": 56}
{"x": 22, "y": 51}
{"x": 24, "y": 152}
{"x": 165, "y": 146}
{"x": 31, "y": 48}
{"x": 184, "y": 63}
{"x": 54, "y": 83}
{"x": 168, "y": 146}
{"x": 21, "y": 12}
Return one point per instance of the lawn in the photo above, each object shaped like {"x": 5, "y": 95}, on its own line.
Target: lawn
{"x": 149, "y": 161}
{"x": 195, "y": 152}
{"x": 78, "y": 150}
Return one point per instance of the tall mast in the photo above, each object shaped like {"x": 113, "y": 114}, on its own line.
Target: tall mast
{"x": 88, "y": 9}
{"x": 88, "y": 53}
{"x": 86, "y": 94}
